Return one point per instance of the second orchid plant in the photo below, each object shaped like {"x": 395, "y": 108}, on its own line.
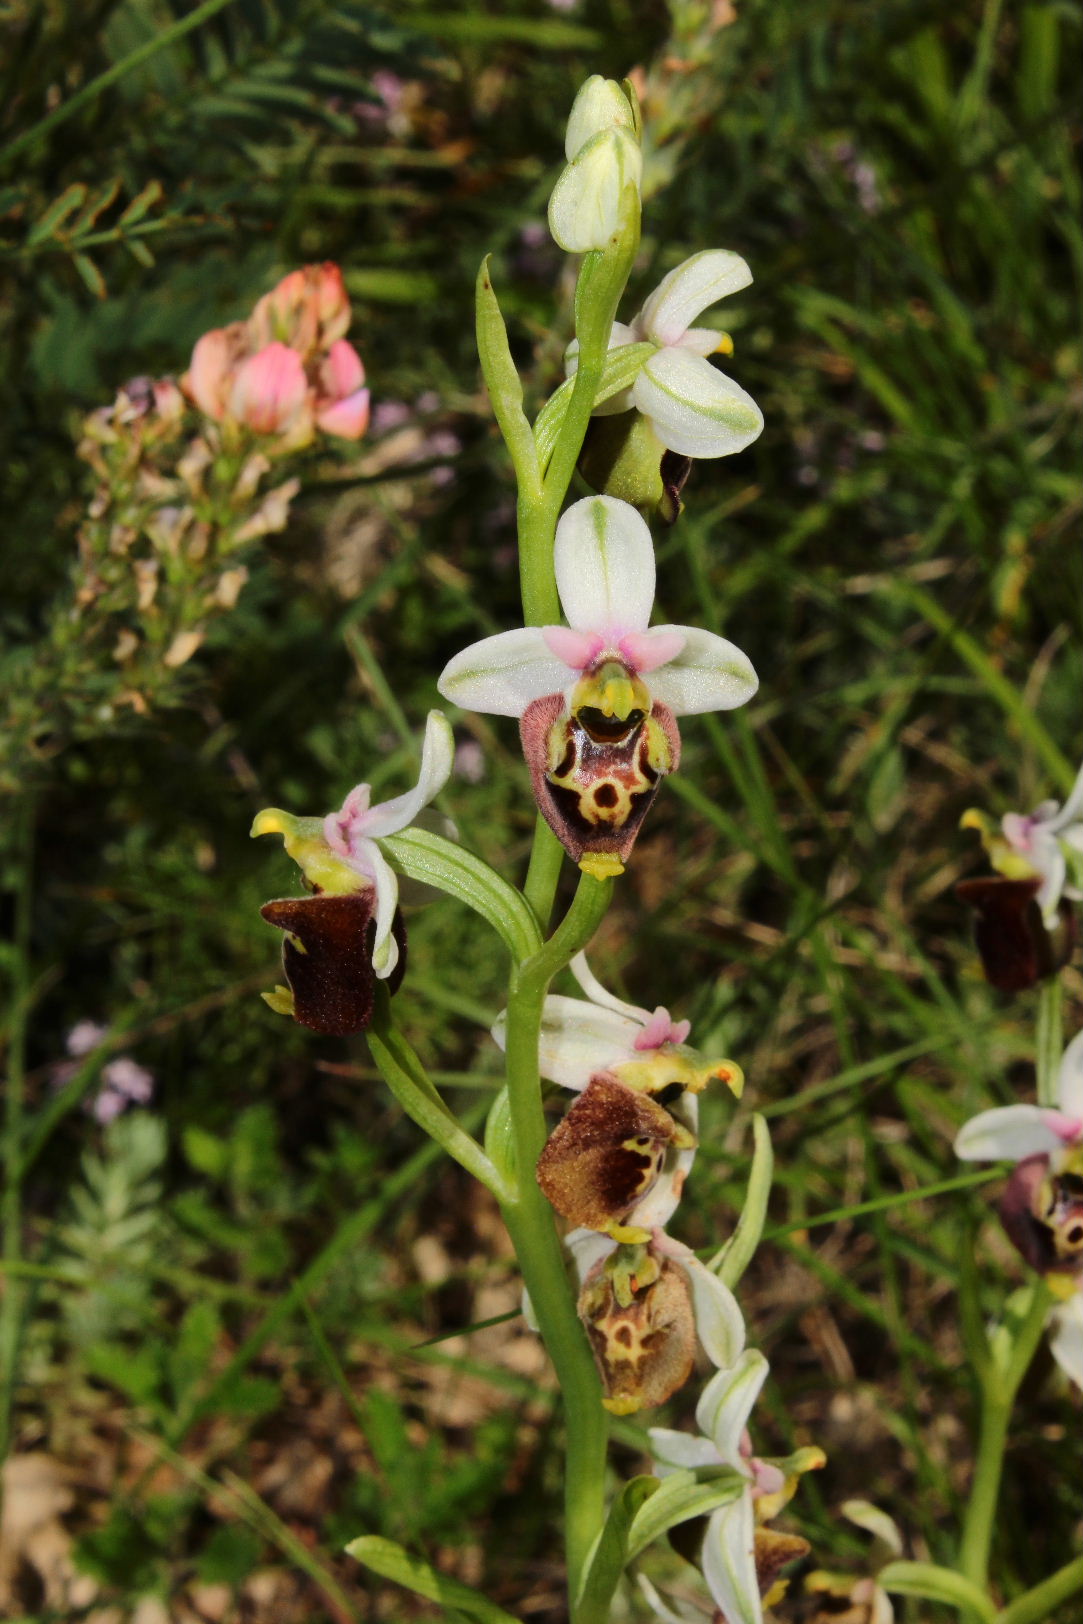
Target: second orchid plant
{"x": 627, "y": 1312}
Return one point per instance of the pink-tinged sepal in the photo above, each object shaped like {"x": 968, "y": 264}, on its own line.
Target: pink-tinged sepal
{"x": 595, "y": 775}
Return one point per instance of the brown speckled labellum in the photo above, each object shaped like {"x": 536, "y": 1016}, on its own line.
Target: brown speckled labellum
{"x": 327, "y": 958}
{"x": 1042, "y": 1214}
{"x": 645, "y": 1349}
{"x": 594, "y": 791}
{"x": 606, "y": 1154}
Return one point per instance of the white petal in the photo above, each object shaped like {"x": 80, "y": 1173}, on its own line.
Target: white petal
{"x": 729, "y": 1562}
{"x": 1006, "y": 1134}
{"x": 437, "y": 755}
{"x": 601, "y": 996}
{"x": 599, "y": 104}
{"x": 584, "y": 208}
{"x": 688, "y": 290}
{"x": 704, "y": 341}
{"x": 578, "y": 1039}
{"x": 1051, "y": 864}
{"x": 694, "y": 408}
{"x": 1066, "y": 1337}
{"x": 502, "y": 675}
{"x": 708, "y": 674}
{"x": 726, "y": 1404}
{"x": 1070, "y": 1078}
{"x": 680, "y": 1451}
{"x": 604, "y": 561}
{"x": 670, "y": 1615}
{"x": 385, "y": 949}
{"x": 719, "y": 1325}
{"x": 1072, "y": 808}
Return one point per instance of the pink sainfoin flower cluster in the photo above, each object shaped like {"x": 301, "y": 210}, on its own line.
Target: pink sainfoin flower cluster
{"x": 288, "y": 371}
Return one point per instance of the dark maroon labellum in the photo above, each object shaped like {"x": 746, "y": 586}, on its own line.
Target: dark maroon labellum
{"x": 1016, "y": 948}
{"x": 327, "y": 958}
{"x": 1042, "y": 1214}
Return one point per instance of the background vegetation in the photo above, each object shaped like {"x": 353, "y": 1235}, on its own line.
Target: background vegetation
{"x": 244, "y": 1308}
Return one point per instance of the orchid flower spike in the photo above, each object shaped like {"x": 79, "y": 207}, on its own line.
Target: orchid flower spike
{"x": 692, "y": 408}
{"x": 597, "y": 698}
{"x": 1046, "y": 844}
{"x": 350, "y": 930}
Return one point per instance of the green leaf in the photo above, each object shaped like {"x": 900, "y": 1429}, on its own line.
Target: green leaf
{"x": 441, "y": 863}
{"x": 90, "y": 274}
{"x": 733, "y": 1259}
{"x": 142, "y": 203}
{"x": 390, "y": 1561}
{"x": 620, "y": 372}
{"x": 609, "y": 1556}
{"x": 931, "y": 1583}
{"x": 504, "y": 384}
{"x": 678, "y": 1497}
{"x": 72, "y": 198}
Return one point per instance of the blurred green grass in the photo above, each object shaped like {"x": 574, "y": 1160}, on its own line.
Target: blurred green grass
{"x": 896, "y": 554}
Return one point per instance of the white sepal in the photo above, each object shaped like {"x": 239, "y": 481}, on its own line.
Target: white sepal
{"x": 385, "y": 949}
{"x": 600, "y": 104}
{"x": 1070, "y": 1078}
{"x": 584, "y": 208}
{"x": 604, "y": 562}
{"x": 726, "y": 1404}
{"x": 708, "y": 674}
{"x": 680, "y": 1451}
{"x": 688, "y": 290}
{"x": 437, "y": 755}
{"x": 502, "y": 675}
{"x": 695, "y": 409}
{"x": 1066, "y": 1337}
{"x": 1007, "y": 1134}
{"x": 729, "y": 1562}
{"x": 577, "y": 1039}
{"x": 719, "y": 1324}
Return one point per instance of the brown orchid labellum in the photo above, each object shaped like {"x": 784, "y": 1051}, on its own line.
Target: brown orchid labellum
{"x": 637, "y": 1313}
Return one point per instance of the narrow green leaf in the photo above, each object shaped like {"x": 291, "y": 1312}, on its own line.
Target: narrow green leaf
{"x": 621, "y": 370}
{"x": 390, "y": 1561}
{"x": 96, "y": 206}
{"x": 679, "y": 1497}
{"x": 733, "y": 1259}
{"x": 504, "y": 384}
{"x": 607, "y": 1560}
{"x": 142, "y": 203}
{"x": 72, "y": 198}
{"x": 440, "y": 863}
{"x": 90, "y": 274}
{"x": 931, "y": 1583}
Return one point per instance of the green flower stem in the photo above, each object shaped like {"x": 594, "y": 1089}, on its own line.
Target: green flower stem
{"x": 1050, "y": 1042}
{"x": 1041, "y": 1602}
{"x": 546, "y": 857}
{"x": 998, "y": 1396}
{"x": 533, "y": 1231}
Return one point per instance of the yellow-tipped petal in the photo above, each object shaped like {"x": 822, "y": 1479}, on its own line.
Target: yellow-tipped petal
{"x": 973, "y": 819}
{"x": 304, "y": 840}
{"x": 724, "y": 345}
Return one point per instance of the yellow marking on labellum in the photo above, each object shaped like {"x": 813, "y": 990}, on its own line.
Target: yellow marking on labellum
{"x": 601, "y": 865}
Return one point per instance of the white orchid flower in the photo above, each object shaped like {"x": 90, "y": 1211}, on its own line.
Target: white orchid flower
{"x": 693, "y": 408}
{"x": 597, "y": 698}
{"x": 339, "y": 854}
{"x": 1014, "y": 1132}
{"x": 604, "y": 158}
{"x": 728, "y": 1555}
{"x": 1050, "y": 841}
